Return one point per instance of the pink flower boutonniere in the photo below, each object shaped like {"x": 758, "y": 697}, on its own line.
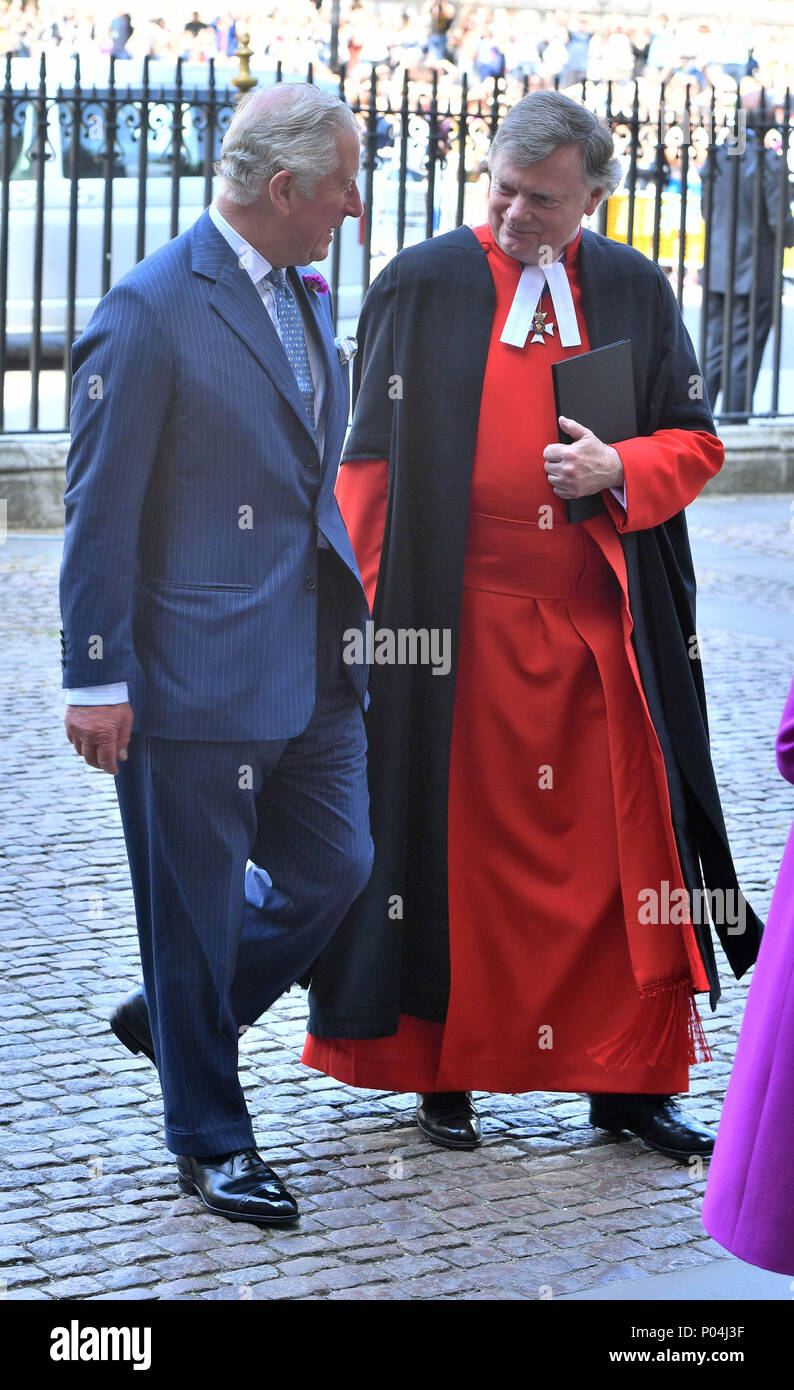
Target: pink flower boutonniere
{"x": 315, "y": 283}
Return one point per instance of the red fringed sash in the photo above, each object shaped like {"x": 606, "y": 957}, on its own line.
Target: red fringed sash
{"x": 666, "y": 1008}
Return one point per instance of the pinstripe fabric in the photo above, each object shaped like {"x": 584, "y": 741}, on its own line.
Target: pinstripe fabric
{"x": 217, "y": 945}
{"x": 293, "y": 339}
{"x": 191, "y": 522}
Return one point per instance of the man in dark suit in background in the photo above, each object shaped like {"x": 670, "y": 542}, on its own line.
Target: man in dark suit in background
{"x": 735, "y": 164}
{"x": 207, "y": 580}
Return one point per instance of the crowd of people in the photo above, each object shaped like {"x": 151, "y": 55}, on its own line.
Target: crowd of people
{"x": 545, "y": 48}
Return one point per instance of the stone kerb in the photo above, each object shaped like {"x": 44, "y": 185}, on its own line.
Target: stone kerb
{"x": 32, "y": 476}
{"x": 758, "y": 458}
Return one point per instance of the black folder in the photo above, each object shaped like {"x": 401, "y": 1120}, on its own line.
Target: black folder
{"x": 597, "y": 389}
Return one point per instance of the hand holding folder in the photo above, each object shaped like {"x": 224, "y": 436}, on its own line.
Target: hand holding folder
{"x": 596, "y": 389}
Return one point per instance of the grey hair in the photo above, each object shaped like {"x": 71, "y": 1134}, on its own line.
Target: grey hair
{"x": 543, "y": 121}
{"x": 292, "y": 126}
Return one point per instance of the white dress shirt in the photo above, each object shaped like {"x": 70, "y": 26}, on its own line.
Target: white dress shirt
{"x": 526, "y": 300}
{"x": 257, "y": 267}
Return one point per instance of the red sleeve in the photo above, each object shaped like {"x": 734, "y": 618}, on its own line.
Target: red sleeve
{"x": 362, "y": 490}
{"x": 663, "y": 473}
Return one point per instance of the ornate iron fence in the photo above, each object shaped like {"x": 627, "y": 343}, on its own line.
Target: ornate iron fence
{"x": 92, "y": 178}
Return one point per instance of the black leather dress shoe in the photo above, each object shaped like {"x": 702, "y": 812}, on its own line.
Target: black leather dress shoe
{"x": 239, "y": 1186}
{"x": 449, "y": 1119}
{"x": 130, "y": 1023}
{"x": 656, "y": 1120}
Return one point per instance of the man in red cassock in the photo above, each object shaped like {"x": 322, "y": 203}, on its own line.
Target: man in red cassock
{"x": 544, "y": 809}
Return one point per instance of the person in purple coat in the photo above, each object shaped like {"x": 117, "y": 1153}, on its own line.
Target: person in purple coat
{"x": 749, "y": 1201}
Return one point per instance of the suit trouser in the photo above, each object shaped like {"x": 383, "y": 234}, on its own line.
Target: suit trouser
{"x": 218, "y": 946}
{"x": 739, "y": 347}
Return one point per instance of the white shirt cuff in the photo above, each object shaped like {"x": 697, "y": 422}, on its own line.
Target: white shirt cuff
{"x": 115, "y": 694}
{"x": 620, "y": 494}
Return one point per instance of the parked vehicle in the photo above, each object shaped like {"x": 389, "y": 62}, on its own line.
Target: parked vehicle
{"x": 97, "y": 176}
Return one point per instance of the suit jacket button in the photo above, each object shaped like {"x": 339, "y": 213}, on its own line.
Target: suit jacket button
{"x": 310, "y": 582}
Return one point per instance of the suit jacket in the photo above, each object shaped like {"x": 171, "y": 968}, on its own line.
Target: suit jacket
{"x": 195, "y": 493}
{"x": 771, "y": 185}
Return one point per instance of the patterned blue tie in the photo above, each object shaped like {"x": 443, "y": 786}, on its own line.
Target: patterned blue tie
{"x": 293, "y": 339}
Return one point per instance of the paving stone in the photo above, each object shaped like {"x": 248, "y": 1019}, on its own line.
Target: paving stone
{"x": 309, "y": 1264}
{"x": 11, "y": 1254}
{"x": 342, "y": 1197}
{"x": 91, "y": 1211}
{"x": 370, "y": 1293}
{"x": 19, "y": 1217}
{"x": 678, "y": 1257}
{"x": 134, "y": 1277}
{"x": 342, "y": 1277}
{"x": 66, "y": 1265}
{"x": 181, "y": 1288}
{"x": 72, "y": 1221}
{"x": 18, "y": 1274}
{"x": 340, "y": 1218}
{"x": 129, "y": 1253}
{"x": 618, "y": 1273}
{"x": 468, "y": 1256}
{"x": 360, "y": 1235}
{"x": 299, "y": 1244}
{"x": 127, "y": 1215}
{"x": 661, "y": 1236}
{"x": 409, "y": 1227}
{"x": 138, "y": 1292}
{"x": 27, "y": 1160}
{"x": 184, "y": 1243}
{"x": 74, "y": 1288}
{"x": 182, "y": 1267}
{"x": 615, "y": 1249}
{"x": 470, "y": 1217}
{"x": 19, "y": 1233}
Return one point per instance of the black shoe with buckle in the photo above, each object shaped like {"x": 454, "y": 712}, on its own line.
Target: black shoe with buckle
{"x": 448, "y": 1118}
{"x": 130, "y": 1023}
{"x": 657, "y": 1120}
{"x": 239, "y": 1186}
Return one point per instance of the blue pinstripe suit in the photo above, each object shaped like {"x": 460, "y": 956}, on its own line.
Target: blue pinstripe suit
{"x": 195, "y": 498}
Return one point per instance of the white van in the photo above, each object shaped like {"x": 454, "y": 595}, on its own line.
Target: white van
{"x": 125, "y": 187}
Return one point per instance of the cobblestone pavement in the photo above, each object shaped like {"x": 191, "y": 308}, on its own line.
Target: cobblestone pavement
{"x": 547, "y": 1206}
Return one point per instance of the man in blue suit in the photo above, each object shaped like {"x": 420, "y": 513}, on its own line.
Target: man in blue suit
{"x": 207, "y": 582}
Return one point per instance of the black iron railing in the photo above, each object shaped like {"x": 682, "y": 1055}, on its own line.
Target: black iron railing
{"x": 94, "y": 178}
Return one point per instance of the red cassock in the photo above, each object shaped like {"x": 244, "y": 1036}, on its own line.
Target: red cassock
{"x": 559, "y": 818}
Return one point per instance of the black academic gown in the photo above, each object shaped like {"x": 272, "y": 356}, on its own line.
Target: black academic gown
{"x": 423, "y": 335}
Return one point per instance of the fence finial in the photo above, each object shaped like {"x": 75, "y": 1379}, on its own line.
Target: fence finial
{"x": 244, "y": 81}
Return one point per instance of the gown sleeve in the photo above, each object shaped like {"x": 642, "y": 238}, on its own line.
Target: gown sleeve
{"x": 667, "y": 466}
{"x": 362, "y": 490}
{"x": 663, "y": 473}
{"x": 375, "y": 385}
{"x": 362, "y": 486}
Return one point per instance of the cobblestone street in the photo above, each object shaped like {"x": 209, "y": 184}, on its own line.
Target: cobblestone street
{"x": 548, "y": 1206}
